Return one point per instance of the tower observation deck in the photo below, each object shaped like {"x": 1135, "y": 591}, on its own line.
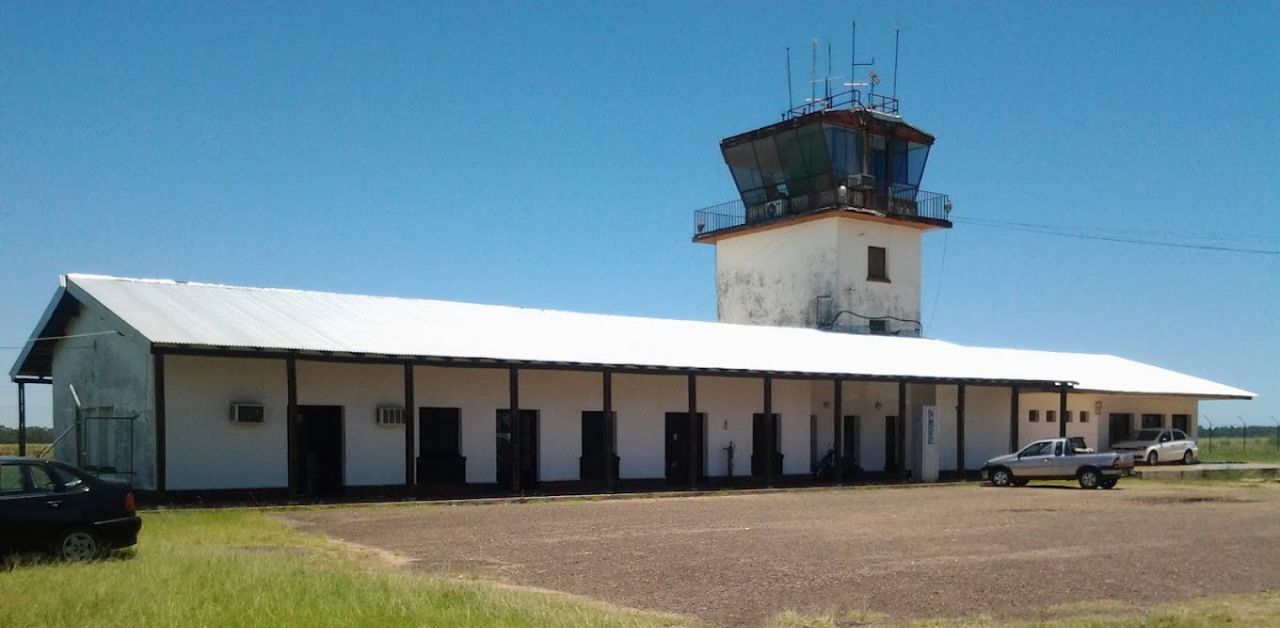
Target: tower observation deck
{"x": 860, "y": 158}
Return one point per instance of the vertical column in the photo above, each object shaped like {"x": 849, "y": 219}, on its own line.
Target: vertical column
{"x": 1062, "y": 411}
{"x": 1013, "y": 418}
{"x": 837, "y": 416}
{"x": 159, "y": 405}
{"x": 608, "y": 429}
{"x": 410, "y": 429}
{"x": 291, "y": 419}
{"x": 900, "y": 428}
{"x": 694, "y": 437}
{"x": 770, "y": 447}
{"x": 22, "y": 419}
{"x": 960, "y": 429}
{"x": 517, "y": 434}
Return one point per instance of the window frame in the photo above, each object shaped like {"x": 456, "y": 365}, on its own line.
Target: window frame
{"x": 883, "y": 275}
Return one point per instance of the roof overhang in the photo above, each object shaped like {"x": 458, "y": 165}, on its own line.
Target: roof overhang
{"x": 35, "y": 361}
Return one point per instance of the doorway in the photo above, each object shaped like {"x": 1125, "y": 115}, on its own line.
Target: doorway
{"x": 526, "y": 440}
{"x": 678, "y": 460}
{"x": 891, "y": 462}
{"x": 760, "y": 446}
{"x": 849, "y": 434}
{"x": 440, "y": 459}
{"x": 320, "y": 450}
{"x": 1119, "y": 427}
{"x": 594, "y": 435}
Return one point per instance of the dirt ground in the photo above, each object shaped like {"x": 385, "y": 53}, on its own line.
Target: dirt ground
{"x": 944, "y": 551}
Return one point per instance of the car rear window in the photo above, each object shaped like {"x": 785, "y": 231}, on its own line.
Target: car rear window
{"x": 10, "y": 479}
{"x": 41, "y": 481}
{"x": 1179, "y": 435}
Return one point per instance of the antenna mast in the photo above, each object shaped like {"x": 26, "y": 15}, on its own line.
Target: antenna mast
{"x": 896, "y": 33}
{"x": 791, "y": 103}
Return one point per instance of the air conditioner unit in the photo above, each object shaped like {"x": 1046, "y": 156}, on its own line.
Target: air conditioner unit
{"x": 774, "y": 209}
{"x": 247, "y": 413}
{"x": 389, "y": 415}
{"x": 862, "y": 181}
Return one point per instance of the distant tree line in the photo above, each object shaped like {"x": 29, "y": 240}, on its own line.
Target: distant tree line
{"x": 9, "y": 435}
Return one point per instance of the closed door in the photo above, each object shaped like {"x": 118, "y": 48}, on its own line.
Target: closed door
{"x": 509, "y": 439}
{"x": 760, "y": 445}
{"x": 684, "y": 447}
{"x": 440, "y": 459}
{"x": 1119, "y": 427}
{"x": 1034, "y": 461}
{"x": 321, "y": 451}
{"x": 891, "y": 443}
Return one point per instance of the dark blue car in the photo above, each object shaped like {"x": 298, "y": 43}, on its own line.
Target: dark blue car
{"x": 54, "y": 507}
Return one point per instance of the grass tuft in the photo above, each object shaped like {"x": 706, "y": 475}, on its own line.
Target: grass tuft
{"x": 244, "y": 568}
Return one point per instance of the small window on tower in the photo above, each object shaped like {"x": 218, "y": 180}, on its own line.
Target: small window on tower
{"x": 877, "y": 268}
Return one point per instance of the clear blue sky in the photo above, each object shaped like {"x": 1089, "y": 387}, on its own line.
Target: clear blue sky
{"x": 552, "y": 155}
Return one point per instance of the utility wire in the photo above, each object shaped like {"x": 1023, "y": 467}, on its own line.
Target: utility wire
{"x": 937, "y": 291}
{"x": 1068, "y": 232}
{"x": 32, "y": 340}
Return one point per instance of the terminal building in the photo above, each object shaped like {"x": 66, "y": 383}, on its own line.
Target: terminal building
{"x": 817, "y": 369}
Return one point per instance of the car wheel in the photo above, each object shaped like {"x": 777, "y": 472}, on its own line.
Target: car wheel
{"x": 1153, "y": 459}
{"x": 78, "y": 544}
{"x": 1110, "y": 483}
{"x": 1090, "y": 479}
{"x": 1001, "y": 477}
{"x": 1188, "y": 457}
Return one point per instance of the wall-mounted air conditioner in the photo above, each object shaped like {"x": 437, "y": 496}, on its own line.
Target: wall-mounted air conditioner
{"x": 389, "y": 415}
{"x": 776, "y": 208}
{"x": 248, "y": 413}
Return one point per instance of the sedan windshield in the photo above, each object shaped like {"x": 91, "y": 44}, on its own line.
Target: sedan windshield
{"x": 1146, "y": 435}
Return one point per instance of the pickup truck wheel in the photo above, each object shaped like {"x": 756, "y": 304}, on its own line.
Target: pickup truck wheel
{"x": 1153, "y": 459}
{"x": 1090, "y": 479}
{"x": 1001, "y": 477}
{"x": 1188, "y": 458}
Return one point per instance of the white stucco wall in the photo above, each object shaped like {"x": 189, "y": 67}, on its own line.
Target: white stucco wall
{"x": 986, "y": 425}
{"x": 205, "y": 450}
{"x": 560, "y": 399}
{"x": 775, "y": 276}
{"x": 642, "y": 403}
{"x": 369, "y": 450}
{"x": 860, "y": 399}
{"x": 111, "y": 371}
{"x": 729, "y": 403}
{"x": 478, "y": 394}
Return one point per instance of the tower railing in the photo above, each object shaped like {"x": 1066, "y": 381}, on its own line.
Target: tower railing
{"x": 902, "y": 202}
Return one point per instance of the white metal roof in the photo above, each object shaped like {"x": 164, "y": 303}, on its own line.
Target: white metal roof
{"x": 207, "y": 315}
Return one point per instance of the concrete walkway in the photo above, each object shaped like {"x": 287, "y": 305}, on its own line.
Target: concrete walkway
{"x": 1208, "y": 470}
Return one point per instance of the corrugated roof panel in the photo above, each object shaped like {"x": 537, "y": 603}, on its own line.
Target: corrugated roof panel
{"x": 168, "y": 312}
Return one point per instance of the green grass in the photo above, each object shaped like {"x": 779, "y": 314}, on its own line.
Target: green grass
{"x": 1244, "y": 611}
{"x": 33, "y": 449}
{"x": 245, "y": 568}
{"x": 1227, "y": 449}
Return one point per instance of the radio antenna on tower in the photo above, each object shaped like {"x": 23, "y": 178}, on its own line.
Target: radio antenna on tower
{"x": 896, "y": 33}
{"x": 854, "y": 64}
{"x": 791, "y": 103}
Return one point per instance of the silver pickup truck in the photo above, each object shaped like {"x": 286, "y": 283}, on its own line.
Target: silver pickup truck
{"x": 1058, "y": 459}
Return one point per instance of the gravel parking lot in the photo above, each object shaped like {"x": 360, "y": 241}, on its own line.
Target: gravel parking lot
{"x": 941, "y": 551}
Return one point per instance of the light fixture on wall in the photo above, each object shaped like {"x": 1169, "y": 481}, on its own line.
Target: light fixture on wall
{"x": 1097, "y": 408}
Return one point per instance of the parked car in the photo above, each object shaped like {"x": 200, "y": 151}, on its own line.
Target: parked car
{"x": 50, "y": 506}
{"x": 1058, "y": 459}
{"x": 1154, "y": 446}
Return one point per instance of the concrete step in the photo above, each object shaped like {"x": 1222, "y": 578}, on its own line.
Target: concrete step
{"x": 1221, "y": 470}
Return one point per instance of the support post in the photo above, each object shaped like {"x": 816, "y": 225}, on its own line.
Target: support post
{"x": 1013, "y": 418}
{"x": 837, "y": 415}
{"x": 608, "y": 430}
{"x": 694, "y": 437}
{"x": 162, "y": 471}
{"x": 900, "y": 430}
{"x": 1062, "y": 411}
{"x": 22, "y": 419}
{"x": 517, "y": 434}
{"x": 770, "y": 447}
{"x": 960, "y": 430}
{"x": 291, "y": 427}
{"x": 410, "y": 429}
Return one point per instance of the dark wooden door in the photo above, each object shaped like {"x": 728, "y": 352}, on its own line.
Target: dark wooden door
{"x": 440, "y": 458}
{"x": 320, "y": 440}
{"x": 849, "y": 436}
{"x": 526, "y": 440}
{"x": 891, "y": 462}
{"x": 1119, "y": 427}
{"x": 760, "y": 445}
{"x": 594, "y": 435}
{"x": 678, "y": 434}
